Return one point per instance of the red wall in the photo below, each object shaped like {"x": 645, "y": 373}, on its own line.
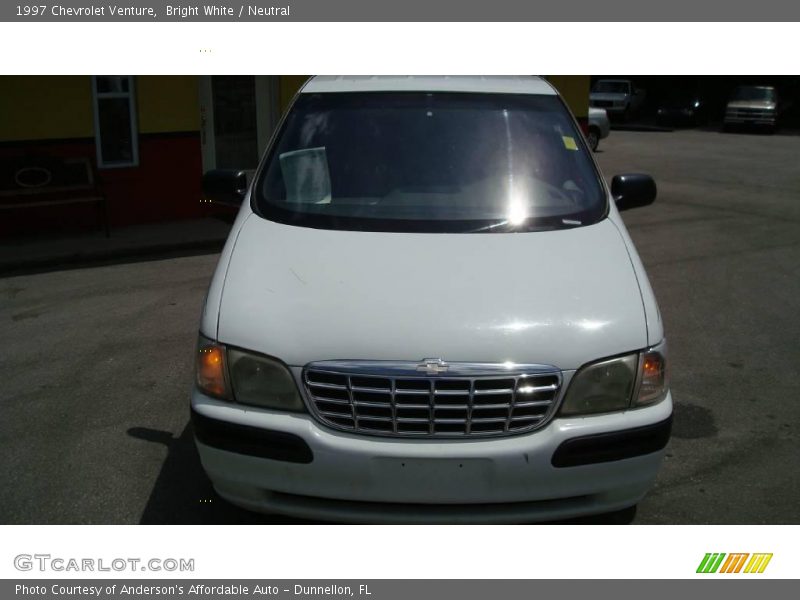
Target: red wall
{"x": 164, "y": 186}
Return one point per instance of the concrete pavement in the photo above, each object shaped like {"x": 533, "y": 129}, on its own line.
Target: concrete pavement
{"x": 137, "y": 242}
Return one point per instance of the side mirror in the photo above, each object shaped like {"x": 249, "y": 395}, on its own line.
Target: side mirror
{"x": 225, "y": 186}
{"x": 633, "y": 190}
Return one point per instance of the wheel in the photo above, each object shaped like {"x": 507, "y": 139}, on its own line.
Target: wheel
{"x": 593, "y": 138}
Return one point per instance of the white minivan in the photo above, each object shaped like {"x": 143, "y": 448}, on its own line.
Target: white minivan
{"x": 430, "y": 310}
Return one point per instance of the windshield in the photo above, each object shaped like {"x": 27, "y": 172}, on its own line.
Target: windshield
{"x": 754, "y": 93}
{"x": 429, "y": 162}
{"x": 611, "y": 87}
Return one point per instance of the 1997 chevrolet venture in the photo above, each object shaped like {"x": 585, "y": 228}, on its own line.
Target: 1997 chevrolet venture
{"x": 429, "y": 309}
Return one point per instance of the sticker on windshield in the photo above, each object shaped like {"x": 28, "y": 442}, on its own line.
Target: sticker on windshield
{"x": 306, "y": 176}
{"x": 569, "y": 142}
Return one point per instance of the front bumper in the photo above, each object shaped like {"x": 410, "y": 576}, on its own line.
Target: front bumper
{"x": 344, "y": 477}
{"x": 610, "y": 106}
{"x": 742, "y": 118}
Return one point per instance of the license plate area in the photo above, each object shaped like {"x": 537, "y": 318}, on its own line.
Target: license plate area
{"x": 436, "y": 472}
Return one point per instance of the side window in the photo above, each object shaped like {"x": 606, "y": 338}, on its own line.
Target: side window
{"x": 115, "y": 128}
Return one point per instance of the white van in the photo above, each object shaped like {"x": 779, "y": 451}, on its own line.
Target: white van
{"x": 619, "y": 97}
{"x": 429, "y": 309}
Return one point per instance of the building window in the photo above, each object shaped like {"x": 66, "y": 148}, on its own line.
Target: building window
{"x": 115, "y": 130}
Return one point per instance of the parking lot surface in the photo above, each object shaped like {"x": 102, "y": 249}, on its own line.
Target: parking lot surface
{"x": 96, "y": 362}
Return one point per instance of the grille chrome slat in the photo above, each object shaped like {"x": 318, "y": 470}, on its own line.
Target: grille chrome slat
{"x": 333, "y": 400}
{"x": 358, "y": 388}
{"x": 471, "y": 406}
{"x": 497, "y": 391}
{"x": 327, "y": 386}
{"x": 431, "y": 408}
{"x": 327, "y": 413}
{"x": 370, "y": 403}
{"x": 480, "y": 407}
{"x": 533, "y": 389}
{"x": 468, "y": 400}
{"x": 529, "y": 403}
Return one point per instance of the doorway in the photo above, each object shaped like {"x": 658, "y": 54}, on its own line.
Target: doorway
{"x": 238, "y": 115}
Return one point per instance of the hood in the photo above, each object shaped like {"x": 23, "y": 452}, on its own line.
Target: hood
{"x": 559, "y": 297}
{"x": 760, "y": 104}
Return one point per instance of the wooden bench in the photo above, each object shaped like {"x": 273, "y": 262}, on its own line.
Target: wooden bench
{"x": 42, "y": 181}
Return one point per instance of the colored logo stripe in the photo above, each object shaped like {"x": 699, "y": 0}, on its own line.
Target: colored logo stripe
{"x": 710, "y": 562}
{"x": 758, "y": 563}
{"x": 733, "y": 564}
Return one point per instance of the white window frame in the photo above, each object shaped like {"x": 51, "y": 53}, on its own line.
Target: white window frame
{"x": 130, "y": 95}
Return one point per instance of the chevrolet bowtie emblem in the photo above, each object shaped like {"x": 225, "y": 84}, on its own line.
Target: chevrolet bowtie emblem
{"x": 433, "y": 366}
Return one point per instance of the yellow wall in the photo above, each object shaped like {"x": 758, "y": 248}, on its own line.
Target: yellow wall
{"x": 60, "y": 107}
{"x": 167, "y": 103}
{"x": 45, "y": 107}
{"x": 575, "y": 91}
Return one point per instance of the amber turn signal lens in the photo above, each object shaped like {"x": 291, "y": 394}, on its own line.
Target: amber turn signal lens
{"x": 653, "y": 387}
{"x": 652, "y": 365}
{"x": 211, "y": 370}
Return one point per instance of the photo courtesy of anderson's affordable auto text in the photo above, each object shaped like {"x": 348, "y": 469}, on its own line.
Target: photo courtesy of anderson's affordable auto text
{"x": 187, "y": 589}
{"x": 394, "y": 334}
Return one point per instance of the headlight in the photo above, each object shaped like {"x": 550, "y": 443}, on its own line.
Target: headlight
{"x": 262, "y": 381}
{"x": 247, "y": 378}
{"x": 600, "y": 387}
{"x": 616, "y": 384}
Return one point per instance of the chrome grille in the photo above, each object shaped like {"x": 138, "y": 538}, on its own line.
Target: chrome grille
{"x": 395, "y": 399}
